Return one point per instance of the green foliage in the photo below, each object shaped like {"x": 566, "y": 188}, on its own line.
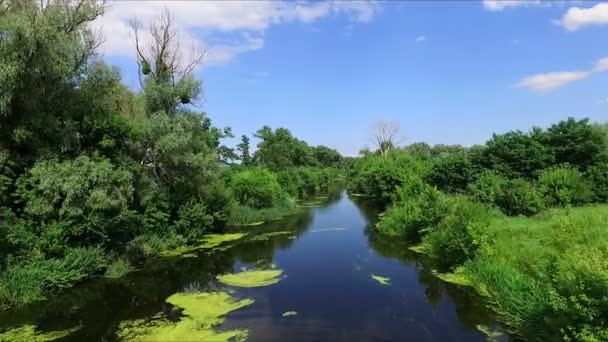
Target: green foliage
{"x": 243, "y": 148}
{"x": 27, "y": 281}
{"x": 460, "y": 234}
{"x": 380, "y": 177}
{"x": 279, "y": 149}
{"x": 451, "y": 173}
{"x": 597, "y": 177}
{"x": 520, "y": 197}
{"x": 305, "y": 181}
{"x": 420, "y": 208}
{"x": 118, "y": 268}
{"x": 257, "y": 188}
{"x": 194, "y": 220}
{"x": 564, "y": 185}
{"x": 488, "y": 187}
{"x": 242, "y": 215}
{"x": 577, "y": 142}
{"x": 518, "y": 154}
{"x": 327, "y": 157}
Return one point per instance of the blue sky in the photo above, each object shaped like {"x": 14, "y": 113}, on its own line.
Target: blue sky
{"x": 448, "y": 72}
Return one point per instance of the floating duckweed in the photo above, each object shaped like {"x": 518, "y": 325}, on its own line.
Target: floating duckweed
{"x": 201, "y": 312}
{"x": 211, "y": 241}
{"x": 251, "y": 278}
{"x": 381, "y": 280}
{"x": 326, "y": 230}
{"x": 29, "y": 333}
{"x": 492, "y": 335}
{"x": 290, "y": 313}
{"x": 267, "y": 236}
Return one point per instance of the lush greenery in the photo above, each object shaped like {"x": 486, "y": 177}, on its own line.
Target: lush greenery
{"x": 95, "y": 178}
{"x": 503, "y": 217}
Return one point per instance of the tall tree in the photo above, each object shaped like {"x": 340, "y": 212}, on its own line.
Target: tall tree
{"x": 165, "y": 71}
{"x": 243, "y": 148}
{"x": 386, "y": 135}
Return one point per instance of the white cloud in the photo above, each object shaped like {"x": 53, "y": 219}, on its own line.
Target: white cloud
{"x": 499, "y": 5}
{"x": 552, "y": 80}
{"x": 603, "y": 101}
{"x": 214, "y": 18}
{"x": 576, "y": 17}
{"x": 601, "y": 65}
{"x": 420, "y": 39}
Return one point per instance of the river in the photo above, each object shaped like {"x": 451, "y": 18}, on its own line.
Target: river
{"x": 328, "y": 261}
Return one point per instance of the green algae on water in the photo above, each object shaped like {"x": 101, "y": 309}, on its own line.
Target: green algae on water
{"x": 290, "y": 313}
{"x": 267, "y": 236}
{"x": 209, "y": 242}
{"x": 251, "y": 278}
{"x": 29, "y": 333}
{"x": 381, "y": 280}
{"x": 201, "y": 312}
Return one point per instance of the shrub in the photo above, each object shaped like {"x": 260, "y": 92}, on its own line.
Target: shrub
{"x": 193, "y": 221}
{"x": 244, "y": 215}
{"x": 451, "y": 173}
{"x": 597, "y": 178}
{"x": 25, "y": 282}
{"x": 380, "y": 177}
{"x": 460, "y": 234}
{"x": 256, "y": 188}
{"x": 564, "y": 185}
{"x": 488, "y": 187}
{"x": 520, "y": 197}
{"x": 414, "y": 215}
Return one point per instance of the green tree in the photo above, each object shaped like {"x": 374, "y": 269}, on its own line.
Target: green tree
{"x": 279, "y": 149}
{"x": 243, "y": 148}
{"x": 577, "y": 142}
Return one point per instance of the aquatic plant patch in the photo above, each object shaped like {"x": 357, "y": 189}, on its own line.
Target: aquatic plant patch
{"x": 253, "y": 278}
{"x": 31, "y": 333}
{"x": 381, "y": 280}
{"x": 202, "y": 311}
{"x": 290, "y": 313}
{"x": 209, "y": 242}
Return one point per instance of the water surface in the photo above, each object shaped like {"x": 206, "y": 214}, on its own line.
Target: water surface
{"x": 328, "y": 261}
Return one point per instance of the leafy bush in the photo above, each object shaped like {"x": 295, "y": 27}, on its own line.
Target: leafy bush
{"x": 27, "y": 281}
{"x": 460, "y": 233}
{"x": 414, "y": 214}
{"x": 256, "y": 188}
{"x": 303, "y": 181}
{"x": 244, "y": 215}
{"x": 564, "y": 185}
{"x": 520, "y": 197}
{"x": 597, "y": 177}
{"x": 488, "y": 187}
{"x": 451, "y": 173}
{"x": 193, "y": 221}
{"x": 380, "y": 177}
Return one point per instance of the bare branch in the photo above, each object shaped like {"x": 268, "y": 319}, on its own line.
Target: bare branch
{"x": 386, "y": 136}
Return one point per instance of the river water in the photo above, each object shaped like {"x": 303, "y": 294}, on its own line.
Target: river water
{"x": 328, "y": 262}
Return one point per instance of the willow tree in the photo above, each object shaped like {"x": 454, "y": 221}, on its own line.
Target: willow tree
{"x": 165, "y": 67}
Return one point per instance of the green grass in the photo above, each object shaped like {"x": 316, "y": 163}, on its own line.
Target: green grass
{"x": 547, "y": 276}
{"x": 118, "y": 268}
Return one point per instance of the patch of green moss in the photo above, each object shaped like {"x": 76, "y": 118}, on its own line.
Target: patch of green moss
{"x": 251, "y": 278}
{"x": 326, "y": 230}
{"x": 457, "y": 277}
{"x": 29, "y": 333}
{"x": 381, "y": 280}
{"x": 492, "y": 335}
{"x": 209, "y": 242}
{"x": 290, "y": 313}
{"x": 201, "y": 312}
